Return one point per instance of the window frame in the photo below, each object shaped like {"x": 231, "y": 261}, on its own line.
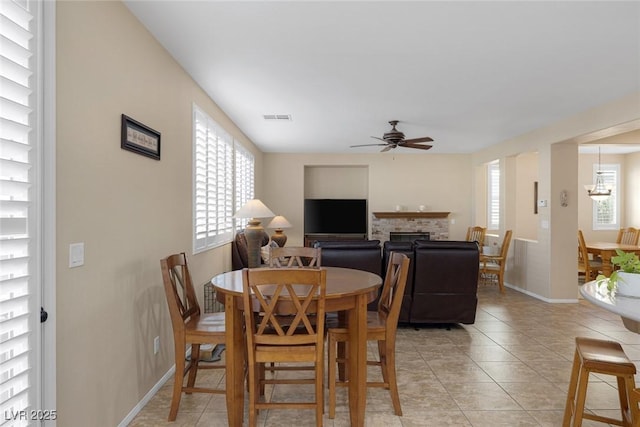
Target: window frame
{"x": 615, "y": 189}
{"x": 493, "y": 200}
{"x": 218, "y": 183}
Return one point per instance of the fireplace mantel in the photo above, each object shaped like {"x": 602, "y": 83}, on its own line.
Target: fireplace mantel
{"x": 404, "y": 214}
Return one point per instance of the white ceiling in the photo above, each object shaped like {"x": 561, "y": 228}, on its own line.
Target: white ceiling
{"x": 468, "y": 74}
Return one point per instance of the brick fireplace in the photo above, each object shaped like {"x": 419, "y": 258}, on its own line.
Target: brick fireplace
{"x": 434, "y": 223}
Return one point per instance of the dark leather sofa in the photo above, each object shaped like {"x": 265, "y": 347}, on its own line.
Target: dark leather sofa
{"x": 443, "y": 281}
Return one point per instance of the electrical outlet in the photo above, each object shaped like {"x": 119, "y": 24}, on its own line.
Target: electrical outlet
{"x": 156, "y": 345}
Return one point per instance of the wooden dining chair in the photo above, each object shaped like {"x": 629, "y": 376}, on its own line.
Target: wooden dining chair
{"x": 381, "y": 327}
{"x": 493, "y": 266}
{"x": 269, "y": 293}
{"x": 628, "y": 236}
{"x": 587, "y": 267}
{"x": 476, "y": 234}
{"x": 190, "y": 327}
{"x": 295, "y": 257}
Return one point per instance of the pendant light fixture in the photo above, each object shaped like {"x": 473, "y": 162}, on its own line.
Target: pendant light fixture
{"x": 598, "y": 191}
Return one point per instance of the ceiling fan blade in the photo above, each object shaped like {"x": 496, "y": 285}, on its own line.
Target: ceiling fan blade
{"x": 414, "y": 140}
{"x": 366, "y": 145}
{"x": 421, "y": 147}
{"x": 388, "y": 147}
{"x": 375, "y": 137}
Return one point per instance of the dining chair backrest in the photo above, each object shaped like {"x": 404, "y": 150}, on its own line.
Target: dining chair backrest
{"x": 295, "y": 257}
{"x": 393, "y": 289}
{"x": 583, "y": 254}
{"x": 298, "y": 294}
{"x": 628, "y": 236}
{"x": 476, "y": 234}
{"x": 179, "y": 290}
{"x": 504, "y": 251}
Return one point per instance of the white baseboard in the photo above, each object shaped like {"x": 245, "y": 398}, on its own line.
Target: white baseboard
{"x": 540, "y": 297}
{"x": 147, "y": 397}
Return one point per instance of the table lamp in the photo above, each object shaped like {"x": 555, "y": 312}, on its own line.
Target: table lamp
{"x": 279, "y": 222}
{"x": 254, "y": 209}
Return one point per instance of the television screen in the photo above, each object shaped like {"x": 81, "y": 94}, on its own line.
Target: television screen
{"x": 335, "y": 216}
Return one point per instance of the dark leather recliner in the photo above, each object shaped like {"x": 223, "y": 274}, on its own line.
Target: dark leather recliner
{"x": 358, "y": 254}
{"x": 407, "y": 249}
{"x": 445, "y": 282}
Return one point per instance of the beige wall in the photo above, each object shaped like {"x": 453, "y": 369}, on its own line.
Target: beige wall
{"x": 440, "y": 182}
{"x": 533, "y": 265}
{"x": 129, "y": 210}
{"x": 632, "y": 195}
{"x": 526, "y": 221}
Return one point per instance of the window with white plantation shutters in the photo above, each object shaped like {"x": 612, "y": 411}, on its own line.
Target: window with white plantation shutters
{"x": 493, "y": 195}
{"x": 223, "y": 176}
{"x": 19, "y": 204}
{"x": 606, "y": 213}
{"x": 244, "y": 167}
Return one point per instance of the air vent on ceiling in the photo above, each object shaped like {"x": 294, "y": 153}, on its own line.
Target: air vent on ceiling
{"x": 277, "y": 117}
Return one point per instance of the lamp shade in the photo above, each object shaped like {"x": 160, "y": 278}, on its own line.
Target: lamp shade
{"x": 279, "y": 222}
{"x": 254, "y": 208}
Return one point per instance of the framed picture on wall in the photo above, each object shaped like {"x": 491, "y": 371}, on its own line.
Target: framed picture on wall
{"x": 139, "y": 138}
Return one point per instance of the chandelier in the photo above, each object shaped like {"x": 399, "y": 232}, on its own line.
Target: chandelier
{"x": 598, "y": 191}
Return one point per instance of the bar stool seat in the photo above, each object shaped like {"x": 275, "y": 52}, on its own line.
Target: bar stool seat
{"x": 601, "y": 357}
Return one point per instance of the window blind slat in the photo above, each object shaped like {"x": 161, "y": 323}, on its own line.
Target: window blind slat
{"x": 18, "y": 62}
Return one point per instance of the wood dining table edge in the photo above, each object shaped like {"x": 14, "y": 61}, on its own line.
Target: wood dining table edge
{"x": 606, "y": 250}
{"x": 356, "y": 314}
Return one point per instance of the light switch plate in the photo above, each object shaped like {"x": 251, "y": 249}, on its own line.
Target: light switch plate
{"x": 76, "y": 255}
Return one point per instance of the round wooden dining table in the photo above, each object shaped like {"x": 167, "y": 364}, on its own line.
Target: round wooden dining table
{"x": 627, "y": 307}
{"x": 347, "y": 290}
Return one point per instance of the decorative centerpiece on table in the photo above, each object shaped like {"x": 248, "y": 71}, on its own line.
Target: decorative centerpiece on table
{"x": 625, "y": 280}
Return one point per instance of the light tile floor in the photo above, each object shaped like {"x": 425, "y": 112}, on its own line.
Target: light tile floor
{"x": 510, "y": 368}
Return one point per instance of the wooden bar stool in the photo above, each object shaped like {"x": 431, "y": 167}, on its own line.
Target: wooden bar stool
{"x": 601, "y": 357}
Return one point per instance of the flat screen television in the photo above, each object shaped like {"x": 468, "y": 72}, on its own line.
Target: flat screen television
{"x": 335, "y": 216}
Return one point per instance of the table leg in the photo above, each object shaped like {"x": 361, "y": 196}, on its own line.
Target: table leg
{"x": 235, "y": 362}
{"x": 358, "y": 361}
{"x": 606, "y": 263}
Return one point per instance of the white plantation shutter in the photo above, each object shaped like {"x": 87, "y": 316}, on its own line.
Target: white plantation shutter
{"x": 215, "y": 181}
{"x": 606, "y": 213}
{"x": 244, "y": 167}
{"x": 493, "y": 195}
{"x": 19, "y": 258}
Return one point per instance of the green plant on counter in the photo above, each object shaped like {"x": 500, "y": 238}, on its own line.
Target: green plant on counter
{"x": 627, "y": 261}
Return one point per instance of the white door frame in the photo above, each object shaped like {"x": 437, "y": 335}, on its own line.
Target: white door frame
{"x": 47, "y": 357}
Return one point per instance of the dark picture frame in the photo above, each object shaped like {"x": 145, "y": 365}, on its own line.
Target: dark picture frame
{"x": 535, "y": 197}
{"x": 139, "y": 138}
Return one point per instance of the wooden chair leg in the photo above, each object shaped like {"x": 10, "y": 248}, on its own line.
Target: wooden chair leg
{"x": 193, "y": 366}
{"x": 178, "y": 379}
{"x": 331, "y": 374}
{"x": 382, "y": 355}
{"x": 571, "y": 393}
{"x": 253, "y": 394}
{"x": 319, "y": 392}
{"x": 390, "y": 367}
{"x": 583, "y": 379}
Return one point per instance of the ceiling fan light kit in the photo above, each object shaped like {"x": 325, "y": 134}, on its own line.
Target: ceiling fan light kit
{"x": 395, "y": 138}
